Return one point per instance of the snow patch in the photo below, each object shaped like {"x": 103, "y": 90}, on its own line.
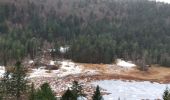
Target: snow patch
{"x": 81, "y": 98}
{"x": 66, "y": 68}
{"x": 52, "y": 62}
{"x": 2, "y": 71}
{"x": 131, "y": 90}
{"x": 51, "y": 50}
{"x": 125, "y": 64}
{"x": 64, "y": 49}
{"x": 40, "y": 72}
{"x": 165, "y": 1}
{"x": 69, "y": 68}
{"x": 31, "y": 62}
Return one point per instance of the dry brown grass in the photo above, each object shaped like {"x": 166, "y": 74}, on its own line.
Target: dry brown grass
{"x": 155, "y": 73}
{"x": 158, "y": 73}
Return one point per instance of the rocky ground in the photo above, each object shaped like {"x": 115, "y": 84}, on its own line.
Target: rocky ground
{"x": 68, "y": 71}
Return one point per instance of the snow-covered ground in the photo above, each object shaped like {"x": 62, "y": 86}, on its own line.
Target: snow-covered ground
{"x": 125, "y": 64}
{"x": 124, "y": 89}
{"x": 66, "y": 68}
{"x": 2, "y": 71}
{"x": 131, "y": 90}
{"x": 69, "y": 68}
{"x": 52, "y": 62}
{"x": 40, "y": 72}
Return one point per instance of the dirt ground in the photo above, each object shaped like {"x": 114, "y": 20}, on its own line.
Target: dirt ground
{"x": 103, "y": 72}
{"x": 155, "y": 73}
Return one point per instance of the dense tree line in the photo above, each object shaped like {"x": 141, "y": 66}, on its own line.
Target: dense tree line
{"x": 97, "y": 31}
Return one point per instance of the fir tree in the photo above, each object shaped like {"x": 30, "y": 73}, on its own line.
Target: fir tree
{"x": 14, "y": 82}
{"x": 45, "y": 93}
{"x": 166, "y": 95}
{"x": 97, "y": 94}
{"x": 18, "y": 80}
{"x": 76, "y": 89}
{"x": 32, "y": 92}
{"x": 68, "y": 95}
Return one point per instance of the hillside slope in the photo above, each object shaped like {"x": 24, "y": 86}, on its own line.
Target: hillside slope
{"x": 97, "y": 31}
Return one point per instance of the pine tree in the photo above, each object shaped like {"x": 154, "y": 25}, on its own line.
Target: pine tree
{"x": 32, "y": 92}
{"x": 68, "y": 95}
{"x": 97, "y": 94}
{"x": 14, "y": 82}
{"x": 17, "y": 82}
{"x": 76, "y": 89}
{"x": 5, "y": 85}
{"x": 45, "y": 93}
{"x": 166, "y": 95}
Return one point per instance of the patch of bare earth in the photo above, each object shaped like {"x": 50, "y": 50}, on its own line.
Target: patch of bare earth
{"x": 155, "y": 73}
{"x": 104, "y": 72}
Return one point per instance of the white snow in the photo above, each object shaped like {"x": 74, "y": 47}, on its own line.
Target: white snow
{"x": 131, "y": 90}
{"x": 52, "y": 62}
{"x": 125, "y": 64}
{"x": 165, "y": 1}
{"x": 40, "y": 72}
{"x": 67, "y": 68}
{"x": 50, "y": 50}
{"x": 81, "y": 98}
{"x": 31, "y": 62}
{"x": 64, "y": 49}
{"x": 2, "y": 71}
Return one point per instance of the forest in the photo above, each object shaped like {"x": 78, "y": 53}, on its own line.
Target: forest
{"x": 96, "y": 31}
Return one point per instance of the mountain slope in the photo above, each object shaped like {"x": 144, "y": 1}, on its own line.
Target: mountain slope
{"x": 97, "y": 31}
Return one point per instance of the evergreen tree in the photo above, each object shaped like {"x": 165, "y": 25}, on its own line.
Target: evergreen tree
{"x": 45, "y": 93}
{"x": 18, "y": 81}
{"x": 68, "y": 95}
{"x": 166, "y": 95}
{"x": 13, "y": 83}
{"x": 32, "y": 92}
{"x": 97, "y": 94}
{"x": 5, "y": 85}
{"x": 76, "y": 89}
{"x": 23, "y": 29}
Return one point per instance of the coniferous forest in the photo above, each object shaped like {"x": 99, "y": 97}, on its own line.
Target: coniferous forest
{"x": 96, "y": 31}
{"x": 93, "y": 31}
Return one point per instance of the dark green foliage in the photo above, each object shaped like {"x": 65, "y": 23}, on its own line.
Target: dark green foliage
{"x": 130, "y": 29}
{"x": 68, "y": 95}
{"x": 74, "y": 93}
{"x": 93, "y": 49}
{"x": 32, "y": 92}
{"x": 14, "y": 83}
{"x": 44, "y": 93}
{"x": 5, "y": 85}
{"x": 76, "y": 89}
{"x": 3, "y": 28}
{"x": 97, "y": 95}
{"x": 18, "y": 81}
{"x": 166, "y": 95}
